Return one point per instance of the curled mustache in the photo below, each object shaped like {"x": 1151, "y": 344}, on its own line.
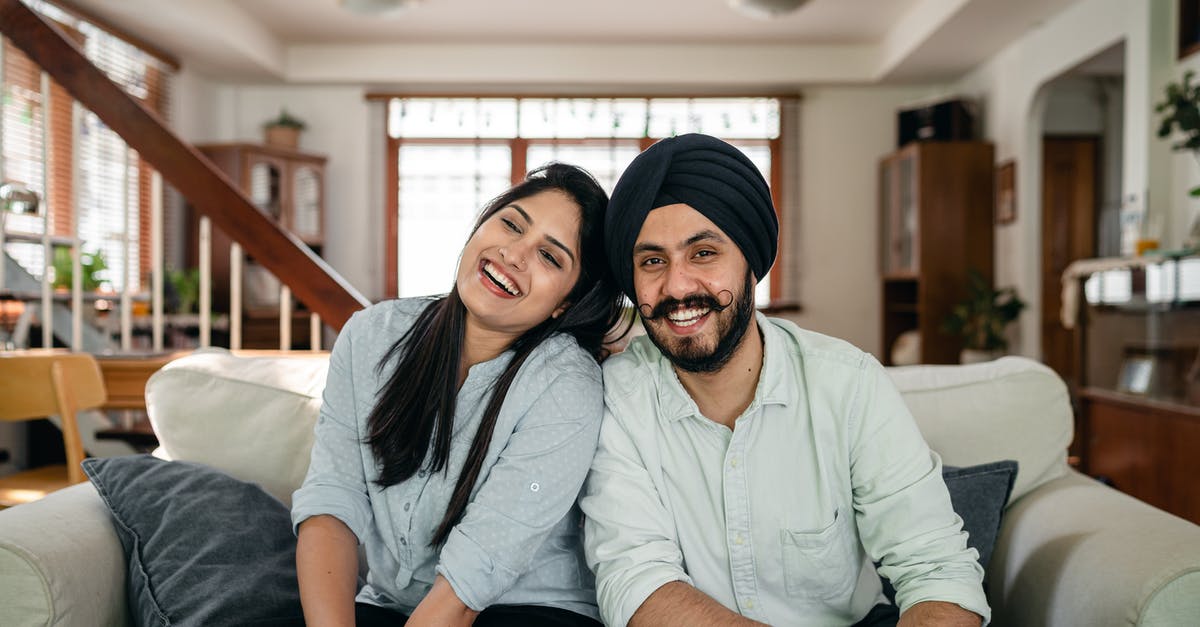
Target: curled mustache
{"x": 697, "y": 301}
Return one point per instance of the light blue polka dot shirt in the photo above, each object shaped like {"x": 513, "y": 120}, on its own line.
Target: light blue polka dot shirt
{"x": 519, "y": 541}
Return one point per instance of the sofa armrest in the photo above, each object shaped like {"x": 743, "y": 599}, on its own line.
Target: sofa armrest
{"x": 1076, "y": 552}
{"x": 61, "y": 562}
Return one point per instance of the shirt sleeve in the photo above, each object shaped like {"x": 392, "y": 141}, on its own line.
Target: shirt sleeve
{"x": 902, "y": 505}
{"x": 532, "y": 486}
{"x": 335, "y": 483}
{"x": 629, "y": 540}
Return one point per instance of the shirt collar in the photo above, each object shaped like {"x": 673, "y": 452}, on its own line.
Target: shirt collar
{"x": 674, "y": 402}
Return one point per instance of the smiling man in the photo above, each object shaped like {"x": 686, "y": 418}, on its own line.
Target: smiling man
{"x": 749, "y": 471}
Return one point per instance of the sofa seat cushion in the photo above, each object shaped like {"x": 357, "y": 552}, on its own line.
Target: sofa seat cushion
{"x": 251, "y": 417}
{"x": 202, "y": 547}
{"x": 1012, "y": 408}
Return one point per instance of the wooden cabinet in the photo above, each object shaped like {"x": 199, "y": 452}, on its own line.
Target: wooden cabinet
{"x": 1144, "y": 447}
{"x": 289, "y": 187}
{"x": 286, "y": 185}
{"x": 935, "y": 225}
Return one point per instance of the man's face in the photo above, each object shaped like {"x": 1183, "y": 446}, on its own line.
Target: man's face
{"x": 694, "y": 288}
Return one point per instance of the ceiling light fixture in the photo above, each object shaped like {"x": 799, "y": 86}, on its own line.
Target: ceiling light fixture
{"x": 766, "y": 9}
{"x": 378, "y": 8}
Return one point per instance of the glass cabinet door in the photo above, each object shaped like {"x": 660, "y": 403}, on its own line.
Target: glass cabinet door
{"x": 905, "y": 229}
{"x": 306, "y": 203}
{"x": 887, "y": 211}
{"x": 264, "y": 187}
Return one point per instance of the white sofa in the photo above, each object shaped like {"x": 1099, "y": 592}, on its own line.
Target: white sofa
{"x": 1071, "y": 551}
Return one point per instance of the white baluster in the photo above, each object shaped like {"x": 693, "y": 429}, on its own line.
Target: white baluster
{"x": 205, "y": 282}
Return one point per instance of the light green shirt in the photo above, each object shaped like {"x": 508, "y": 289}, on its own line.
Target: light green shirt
{"x": 780, "y": 518}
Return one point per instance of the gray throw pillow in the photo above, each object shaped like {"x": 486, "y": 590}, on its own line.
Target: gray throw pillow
{"x": 978, "y": 495}
{"x": 202, "y": 547}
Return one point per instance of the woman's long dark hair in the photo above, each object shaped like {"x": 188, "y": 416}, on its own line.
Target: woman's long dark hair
{"x": 414, "y": 412}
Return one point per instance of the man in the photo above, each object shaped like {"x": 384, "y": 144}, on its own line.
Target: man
{"x": 750, "y": 471}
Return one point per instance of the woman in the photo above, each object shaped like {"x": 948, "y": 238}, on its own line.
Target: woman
{"x": 456, "y": 431}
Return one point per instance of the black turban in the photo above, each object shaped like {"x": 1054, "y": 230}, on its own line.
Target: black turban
{"x": 705, "y": 173}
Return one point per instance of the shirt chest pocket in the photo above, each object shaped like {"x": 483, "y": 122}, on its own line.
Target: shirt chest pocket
{"x": 822, "y": 564}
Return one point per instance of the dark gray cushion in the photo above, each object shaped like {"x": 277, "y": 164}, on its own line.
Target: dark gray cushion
{"x": 202, "y": 547}
{"x": 978, "y": 495}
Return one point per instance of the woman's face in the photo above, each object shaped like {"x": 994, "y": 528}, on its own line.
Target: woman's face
{"x": 519, "y": 266}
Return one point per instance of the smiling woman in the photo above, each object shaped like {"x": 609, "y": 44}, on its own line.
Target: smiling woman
{"x": 486, "y": 412}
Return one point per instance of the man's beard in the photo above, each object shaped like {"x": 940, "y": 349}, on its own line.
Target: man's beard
{"x": 687, "y": 352}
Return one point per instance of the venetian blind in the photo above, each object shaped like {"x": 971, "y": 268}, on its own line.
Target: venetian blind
{"x": 110, "y": 199}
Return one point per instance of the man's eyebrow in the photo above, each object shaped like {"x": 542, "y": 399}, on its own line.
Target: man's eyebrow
{"x": 704, "y": 235}
{"x": 646, "y": 247}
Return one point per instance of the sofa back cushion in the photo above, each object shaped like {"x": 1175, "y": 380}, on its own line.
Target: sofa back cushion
{"x": 1012, "y": 408}
{"x": 251, "y": 417}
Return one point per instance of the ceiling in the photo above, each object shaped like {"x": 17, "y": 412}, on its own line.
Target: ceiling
{"x": 565, "y": 42}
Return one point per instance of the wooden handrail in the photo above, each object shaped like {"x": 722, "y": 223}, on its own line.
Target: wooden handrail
{"x": 205, "y": 187}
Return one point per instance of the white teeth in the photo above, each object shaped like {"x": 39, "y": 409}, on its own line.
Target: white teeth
{"x": 499, "y": 277}
{"x": 686, "y": 317}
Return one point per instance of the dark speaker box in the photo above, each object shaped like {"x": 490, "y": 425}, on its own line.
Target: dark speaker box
{"x": 951, "y": 120}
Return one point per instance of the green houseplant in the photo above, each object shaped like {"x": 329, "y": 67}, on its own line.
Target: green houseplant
{"x": 980, "y": 320}
{"x": 185, "y": 289}
{"x": 1180, "y": 109}
{"x": 91, "y": 264}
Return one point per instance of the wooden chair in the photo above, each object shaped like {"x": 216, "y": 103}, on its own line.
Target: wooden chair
{"x": 36, "y": 384}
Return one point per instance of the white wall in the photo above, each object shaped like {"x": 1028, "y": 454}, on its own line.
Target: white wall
{"x": 343, "y": 127}
{"x": 1011, "y": 87}
{"x": 834, "y": 249}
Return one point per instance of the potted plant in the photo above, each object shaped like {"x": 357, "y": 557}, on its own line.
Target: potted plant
{"x": 980, "y": 320}
{"x": 184, "y": 289}
{"x": 92, "y": 266}
{"x": 1180, "y": 109}
{"x": 283, "y": 130}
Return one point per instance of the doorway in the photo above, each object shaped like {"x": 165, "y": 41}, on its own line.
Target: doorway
{"x": 1070, "y": 180}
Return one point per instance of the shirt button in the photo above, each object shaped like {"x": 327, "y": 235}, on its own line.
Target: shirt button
{"x": 749, "y": 604}
{"x": 534, "y": 487}
{"x": 403, "y": 541}
{"x": 738, "y": 540}
{"x": 733, "y": 462}
{"x": 421, "y": 474}
{"x": 406, "y": 506}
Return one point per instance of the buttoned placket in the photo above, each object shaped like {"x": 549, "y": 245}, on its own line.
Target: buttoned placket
{"x": 736, "y": 488}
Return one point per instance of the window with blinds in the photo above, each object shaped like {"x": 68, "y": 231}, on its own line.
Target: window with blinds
{"x": 449, "y": 156}
{"x": 93, "y": 185}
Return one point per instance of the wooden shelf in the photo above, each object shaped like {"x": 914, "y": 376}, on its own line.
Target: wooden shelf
{"x": 935, "y": 205}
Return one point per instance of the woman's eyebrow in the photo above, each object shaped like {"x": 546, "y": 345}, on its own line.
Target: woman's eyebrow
{"x": 553, "y": 240}
{"x": 549, "y": 238}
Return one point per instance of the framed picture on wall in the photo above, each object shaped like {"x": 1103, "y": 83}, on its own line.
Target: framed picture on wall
{"x": 1189, "y": 27}
{"x": 1006, "y": 192}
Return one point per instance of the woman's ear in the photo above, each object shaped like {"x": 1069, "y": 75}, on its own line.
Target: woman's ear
{"x": 561, "y": 308}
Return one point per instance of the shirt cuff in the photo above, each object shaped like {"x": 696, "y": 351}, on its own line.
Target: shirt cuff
{"x": 619, "y": 601}
{"x": 317, "y": 500}
{"x": 476, "y": 578}
{"x": 967, "y": 596}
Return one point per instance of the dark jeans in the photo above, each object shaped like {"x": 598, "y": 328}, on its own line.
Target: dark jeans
{"x": 882, "y": 615}
{"x": 495, "y": 616}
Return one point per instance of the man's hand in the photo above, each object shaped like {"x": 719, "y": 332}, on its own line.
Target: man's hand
{"x": 940, "y": 614}
{"x": 678, "y": 604}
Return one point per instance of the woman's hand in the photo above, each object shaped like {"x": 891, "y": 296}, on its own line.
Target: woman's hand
{"x": 442, "y": 608}
{"x": 327, "y": 568}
